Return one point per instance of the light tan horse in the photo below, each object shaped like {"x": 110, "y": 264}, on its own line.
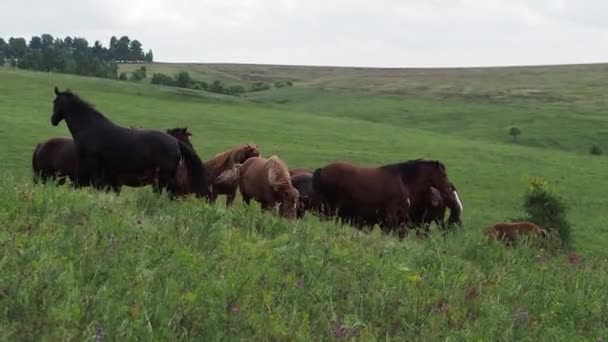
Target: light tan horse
{"x": 510, "y": 232}
{"x": 225, "y": 161}
{"x": 268, "y": 182}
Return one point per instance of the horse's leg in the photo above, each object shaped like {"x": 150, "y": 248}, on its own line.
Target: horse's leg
{"x": 230, "y": 197}
{"x": 166, "y": 181}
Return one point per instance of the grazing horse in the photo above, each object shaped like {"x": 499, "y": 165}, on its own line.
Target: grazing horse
{"x": 54, "y": 159}
{"x": 363, "y": 196}
{"x": 308, "y": 199}
{"x": 430, "y": 207}
{"x": 224, "y": 161}
{"x": 268, "y": 182}
{"x": 509, "y": 232}
{"x": 105, "y": 150}
{"x": 298, "y": 171}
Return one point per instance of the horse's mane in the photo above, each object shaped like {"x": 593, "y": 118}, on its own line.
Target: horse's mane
{"x": 278, "y": 173}
{"x": 411, "y": 168}
{"x": 223, "y": 160}
{"x": 81, "y": 104}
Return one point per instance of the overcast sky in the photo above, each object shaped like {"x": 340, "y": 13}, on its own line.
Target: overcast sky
{"x": 406, "y": 33}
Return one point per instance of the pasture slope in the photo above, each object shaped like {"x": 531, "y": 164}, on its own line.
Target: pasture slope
{"x": 79, "y": 264}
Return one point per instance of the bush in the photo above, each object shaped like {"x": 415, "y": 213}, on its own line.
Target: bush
{"x": 138, "y": 74}
{"x": 596, "y": 150}
{"x": 123, "y": 76}
{"x": 162, "y": 79}
{"x": 236, "y": 90}
{"x": 547, "y": 210}
{"x": 281, "y": 84}
{"x": 183, "y": 80}
{"x": 259, "y": 86}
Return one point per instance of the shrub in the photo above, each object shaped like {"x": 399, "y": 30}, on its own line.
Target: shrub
{"x": 217, "y": 86}
{"x": 546, "y": 209}
{"x": 259, "y": 86}
{"x": 123, "y": 76}
{"x": 183, "y": 80}
{"x": 236, "y": 89}
{"x": 281, "y": 84}
{"x": 139, "y": 74}
{"x": 162, "y": 79}
{"x": 596, "y": 150}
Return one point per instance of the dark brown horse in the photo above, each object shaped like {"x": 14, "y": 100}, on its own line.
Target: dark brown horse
{"x": 268, "y": 182}
{"x": 363, "y": 196}
{"x": 309, "y": 201}
{"x": 373, "y": 195}
{"x": 54, "y": 159}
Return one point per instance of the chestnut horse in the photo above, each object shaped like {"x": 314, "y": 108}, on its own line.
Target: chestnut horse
{"x": 225, "y": 161}
{"x": 268, "y": 182}
{"x": 510, "y": 232}
{"x": 363, "y": 195}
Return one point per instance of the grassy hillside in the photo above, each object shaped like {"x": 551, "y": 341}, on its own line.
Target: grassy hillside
{"x": 83, "y": 266}
{"x": 558, "y": 107}
{"x": 171, "y": 269}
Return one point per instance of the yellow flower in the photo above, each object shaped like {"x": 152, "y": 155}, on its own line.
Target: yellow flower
{"x": 538, "y": 184}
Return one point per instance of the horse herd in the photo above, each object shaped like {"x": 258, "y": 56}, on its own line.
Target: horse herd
{"x": 107, "y": 156}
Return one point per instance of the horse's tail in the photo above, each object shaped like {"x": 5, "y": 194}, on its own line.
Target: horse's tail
{"x": 230, "y": 176}
{"x": 196, "y": 169}
{"x": 35, "y": 167}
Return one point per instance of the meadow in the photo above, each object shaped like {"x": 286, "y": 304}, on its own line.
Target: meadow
{"x": 79, "y": 264}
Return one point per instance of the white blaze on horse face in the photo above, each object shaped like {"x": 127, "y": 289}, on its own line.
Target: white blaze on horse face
{"x": 458, "y": 201}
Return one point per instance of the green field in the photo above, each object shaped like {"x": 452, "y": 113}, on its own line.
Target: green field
{"x": 192, "y": 263}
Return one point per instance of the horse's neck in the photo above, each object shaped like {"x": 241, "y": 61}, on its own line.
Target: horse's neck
{"x": 77, "y": 123}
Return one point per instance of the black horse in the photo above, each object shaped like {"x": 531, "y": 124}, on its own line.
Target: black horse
{"x": 106, "y": 150}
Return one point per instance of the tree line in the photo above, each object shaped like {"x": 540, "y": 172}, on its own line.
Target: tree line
{"x": 72, "y": 55}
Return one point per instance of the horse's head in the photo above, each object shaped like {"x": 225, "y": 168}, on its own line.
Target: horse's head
{"x": 246, "y": 152}
{"x": 60, "y": 105}
{"x": 181, "y": 134}
{"x": 289, "y": 203}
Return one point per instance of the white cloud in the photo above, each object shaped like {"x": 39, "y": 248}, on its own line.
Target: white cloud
{"x": 334, "y": 32}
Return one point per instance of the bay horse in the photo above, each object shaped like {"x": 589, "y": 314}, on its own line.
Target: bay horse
{"x": 510, "y": 232}
{"x": 224, "y": 161}
{"x": 268, "y": 182}
{"x": 106, "y": 150}
{"x": 363, "y": 196}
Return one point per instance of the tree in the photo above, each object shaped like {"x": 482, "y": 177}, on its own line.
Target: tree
{"x": 514, "y": 132}
{"x": 183, "y": 80}
{"x": 18, "y": 47}
{"x": 136, "y": 52}
{"x": 35, "y": 43}
{"x": 122, "y": 49}
{"x": 149, "y": 57}
{"x": 47, "y": 41}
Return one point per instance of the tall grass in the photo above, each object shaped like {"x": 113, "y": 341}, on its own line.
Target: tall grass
{"x": 80, "y": 265}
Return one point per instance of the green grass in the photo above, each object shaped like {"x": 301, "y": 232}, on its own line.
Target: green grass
{"x": 77, "y": 265}
{"x": 177, "y": 274}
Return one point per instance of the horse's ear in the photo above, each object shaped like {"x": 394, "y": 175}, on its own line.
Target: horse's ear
{"x": 56, "y": 90}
